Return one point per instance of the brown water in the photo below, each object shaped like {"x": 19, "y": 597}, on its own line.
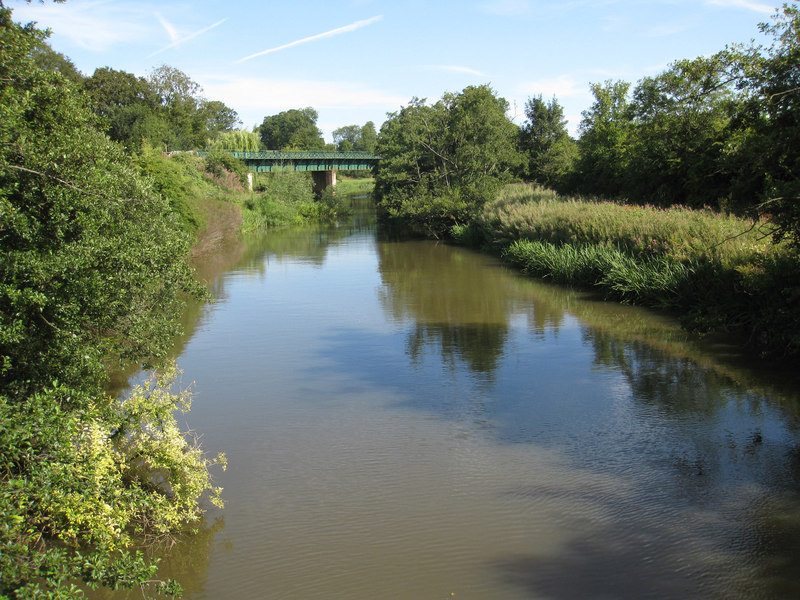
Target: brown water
{"x": 410, "y": 420}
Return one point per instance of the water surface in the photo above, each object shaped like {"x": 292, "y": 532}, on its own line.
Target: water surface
{"x": 413, "y": 420}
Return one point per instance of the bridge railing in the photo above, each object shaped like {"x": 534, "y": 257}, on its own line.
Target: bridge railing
{"x": 280, "y": 155}
{"x": 275, "y": 160}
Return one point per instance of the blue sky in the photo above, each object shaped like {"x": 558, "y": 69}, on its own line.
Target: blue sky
{"x": 356, "y": 60}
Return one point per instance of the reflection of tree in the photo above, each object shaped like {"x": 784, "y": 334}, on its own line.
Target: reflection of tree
{"x": 479, "y": 346}
{"x": 456, "y": 306}
{"x": 675, "y": 385}
{"x": 184, "y": 558}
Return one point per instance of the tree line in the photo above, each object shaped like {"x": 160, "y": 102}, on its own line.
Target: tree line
{"x": 720, "y": 132}
{"x": 168, "y": 110}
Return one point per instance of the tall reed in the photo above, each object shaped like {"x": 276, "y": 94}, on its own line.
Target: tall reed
{"x": 717, "y": 271}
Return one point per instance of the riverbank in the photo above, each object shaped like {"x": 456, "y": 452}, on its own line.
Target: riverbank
{"x": 717, "y": 273}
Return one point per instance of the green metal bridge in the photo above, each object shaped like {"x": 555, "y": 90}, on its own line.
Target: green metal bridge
{"x": 323, "y": 165}
{"x": 273, "y": 160}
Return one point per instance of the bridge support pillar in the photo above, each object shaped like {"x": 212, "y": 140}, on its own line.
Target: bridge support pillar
{"x": 323, "y": 180}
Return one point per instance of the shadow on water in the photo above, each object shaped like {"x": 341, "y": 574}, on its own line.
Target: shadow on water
{"x": 707, "y": 437}
{"x": 184, "y": 558}
{"x": 682, "y": 465}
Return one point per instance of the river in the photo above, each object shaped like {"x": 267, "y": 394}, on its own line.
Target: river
{"x": 411, "y": 420}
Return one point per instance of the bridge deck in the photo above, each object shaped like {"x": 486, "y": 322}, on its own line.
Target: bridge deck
{"x": 273, "y": 160}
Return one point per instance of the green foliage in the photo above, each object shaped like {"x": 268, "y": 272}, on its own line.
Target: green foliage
{"x": 349, "y": 185}
{"x": 175, "y": 179}
{"x": 278, "y": 200}
{"x": 355, "y": 138}
{"x": 216, "y": 117}
{"x": 44, "y": 57}
{"x": 92, "y": 267}
{"x": 682, "y": 127}
{"x": 165, "y": 110}
{"x": 774, "y": 83}
{"x": 550, "y": 151}
{"x": 441, "y": 162}
{"x": 294, "y": 129}
{"x": 221, "y": 164}
{"x": 80, "y": 472}
{"x": 603, "y": 143}
{"x": 235, "y": 141}
{"x": 720, "y": 131}
{"x": 717, "y": 271}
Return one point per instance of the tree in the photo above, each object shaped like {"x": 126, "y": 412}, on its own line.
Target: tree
{"x": 294, "y": 129}
{"x": 368, "y": 139}
{"x": 128, "y": 107}
{"x": 217, "y": 117}
{"x": 92, "y": 267}
{"x": 773, "y": 82}
{"x": 682, "y": 122}
{"x": 357, "y": 138}
{"x": 346, "y": 137}
{"x": 440, "y": 163}
{"x": 603, "y": 143}
{"x": 551, "y": 152}
{"x": 190, "y": 116}
{"x": 237, "y": 140}
{"x": 48, "y": 59}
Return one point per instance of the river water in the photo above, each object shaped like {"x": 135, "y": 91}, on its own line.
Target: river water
{"x": 411, "y": 420}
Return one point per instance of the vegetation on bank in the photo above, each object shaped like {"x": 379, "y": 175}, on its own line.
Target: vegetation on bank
{"x": 699, "y": 167}
{"x": 93, "y": 270}
{"x": 96, "y": 236}
{"x": 354, "y": 186}
{"x": 98, "y": 224}
{"x": 718, "y": 272}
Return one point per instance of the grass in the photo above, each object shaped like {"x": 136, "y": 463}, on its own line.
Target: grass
{"x": 530, "y": 212}
{"x": 719, "y": 272}
{"x": 354, "y": 185}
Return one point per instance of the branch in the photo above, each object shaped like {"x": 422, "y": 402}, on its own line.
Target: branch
{"x": 61, "y": 181}
{"x": 733, "y": 237}
{"x": 776, "y": 94}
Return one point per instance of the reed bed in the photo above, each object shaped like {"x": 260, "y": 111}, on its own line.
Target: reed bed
{"x": 530, "y": 212}
{"x": 719, "y": 272}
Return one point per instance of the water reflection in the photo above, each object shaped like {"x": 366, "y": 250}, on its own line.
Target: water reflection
{"x": 184, "y": 558}
{"x": 666, "y": 411}
{"x": 409, "y": 420}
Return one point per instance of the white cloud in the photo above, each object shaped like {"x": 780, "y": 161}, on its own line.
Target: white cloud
{"x": 747, "y": 4}
{"x": 95, "y": 26}
{"x": 319, "y": 36}
{"x": 456, "y": 69}
{"x": 562, "y": 86}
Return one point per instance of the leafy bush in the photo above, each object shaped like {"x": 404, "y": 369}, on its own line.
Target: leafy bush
{"x": 227, "y": 171}
{"x": 92, "y": 267}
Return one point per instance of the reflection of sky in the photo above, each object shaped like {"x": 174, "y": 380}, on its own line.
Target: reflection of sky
{"x": 306, "y": 363}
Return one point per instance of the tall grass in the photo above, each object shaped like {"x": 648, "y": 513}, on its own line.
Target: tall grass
{"x": 719, "y": 272}
{"x": 530, "y": 212}
{"x": 355, "y": 186}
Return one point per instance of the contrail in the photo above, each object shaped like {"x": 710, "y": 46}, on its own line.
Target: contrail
{"x": 173, "y": 35}
{"x": 187, "y": 38}
{"x": 319, "y": 36}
